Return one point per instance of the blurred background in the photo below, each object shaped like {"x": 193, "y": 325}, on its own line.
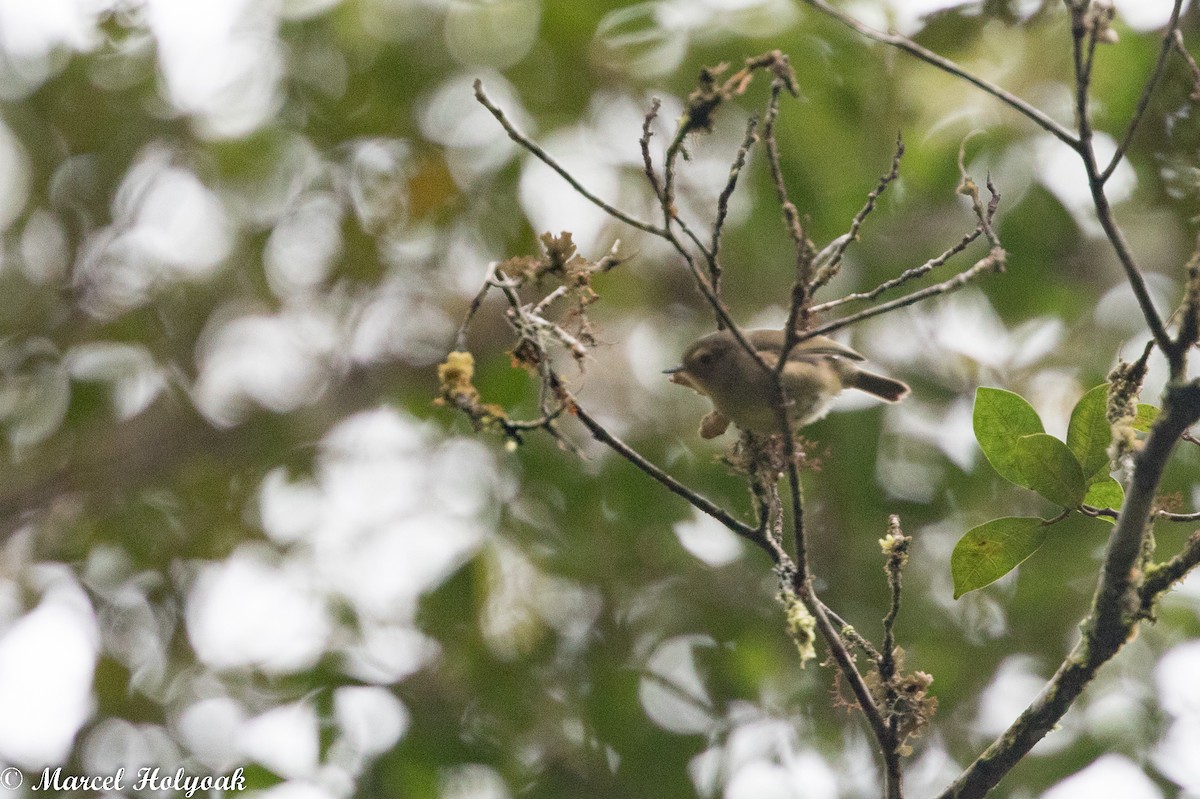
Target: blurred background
{"x": 237, "y": 238}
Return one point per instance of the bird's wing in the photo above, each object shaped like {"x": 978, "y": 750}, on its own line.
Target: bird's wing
{"x": 770, "y": 342}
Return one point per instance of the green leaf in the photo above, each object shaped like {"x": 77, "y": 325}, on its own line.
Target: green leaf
{"x": 1049, "y": 468}
{"x": 993, "y": 549}
{"x": 1089, "y": 433}
{"x": 1000, "y": 419}
{"x": 1105, "y": 494}
{"x": 1146, "y": 414}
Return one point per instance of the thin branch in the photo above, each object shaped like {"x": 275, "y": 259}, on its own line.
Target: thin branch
{"x": 831, "y": 264}
{"x": 545, "y": 158}
{"x": 1165, "y": 515}
{"x": 1160, "y": 577}
{"x": 895, "y": 547}
{"x": 790, "y": 214}
{"x": 992, "y": 262}
{"x": 904, "y": 277}
{"x": 701, "y": 503}
{"x": 1083, "y": 38}
{"x": 1177, "y": 517}
{"x": 647, "y": 163}
{"x": 735, "y": 171}
{"x": 1193, "y": 67}
{"x": 668, "y": 192}
{"x": 804, "y": 253}
{"x": 1156, "y": 74}
{"x": 843, "y": 659}
{"x": 1035, "y": 115}
{"x": 852, "y": 635}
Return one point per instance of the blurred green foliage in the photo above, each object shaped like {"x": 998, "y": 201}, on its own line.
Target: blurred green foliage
{"x": 546, "y": 659}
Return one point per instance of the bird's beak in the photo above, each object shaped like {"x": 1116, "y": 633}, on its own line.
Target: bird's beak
{"x": 679, "y": 376}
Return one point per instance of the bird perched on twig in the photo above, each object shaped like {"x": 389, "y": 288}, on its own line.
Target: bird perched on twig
{"x": 817, "y": 370}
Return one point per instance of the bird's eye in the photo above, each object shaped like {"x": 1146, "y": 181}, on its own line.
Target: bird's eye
{"x": 705, "y": 358}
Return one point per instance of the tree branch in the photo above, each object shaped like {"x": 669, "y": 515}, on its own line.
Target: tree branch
{"x": 1114, "y": 609}
{"x": 1083, "y": 36}
{"x": 1169, "y": 40}
{"x": 545, "y": 158}
{"x": 1035, "y": 115}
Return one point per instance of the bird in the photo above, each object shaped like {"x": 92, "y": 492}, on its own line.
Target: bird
{"x": 818, "y": 368}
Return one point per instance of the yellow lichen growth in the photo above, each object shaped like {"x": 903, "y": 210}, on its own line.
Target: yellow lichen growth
{"x": 455, "y": 376}
{"x": 801, "y": 626}
{"x": 455, "y": 381}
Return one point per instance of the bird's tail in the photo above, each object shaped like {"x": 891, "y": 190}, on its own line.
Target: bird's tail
{"x": 883, "y": 387}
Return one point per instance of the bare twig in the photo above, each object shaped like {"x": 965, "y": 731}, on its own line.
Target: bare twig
{"x": 895, "y": 547}
{"x": 701, "y": 503}
{"x": 1160, "y": 577}
{"x": 545, "y": 158}
{"x": 790, "y": 214}
{"x": 904, "y": 277}
{"x": 1083, "y": 43}
{"x": 1177, "y": 517}
{"x": 1165, "y": 515}
{"x": 1035, "y": 115}
{"x": 833, "y": 263}
{"x": 1193, "y": 67}
{"x": 992, "y": 262}
{"x": 852, "y": 635}
{"x": 1170, "y": 39}
{"x": 647, "y": 162}
{"x": 735, "y": 170}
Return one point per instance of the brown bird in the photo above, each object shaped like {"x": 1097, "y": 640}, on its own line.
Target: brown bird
{"x": 817, "y": 370}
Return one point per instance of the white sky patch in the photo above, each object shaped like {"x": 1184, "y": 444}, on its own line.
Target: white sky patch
{"x": 371, "y": 718}
{"x": 1146, "y": 15}
{"x": 32, "y": 30}
{"x": 936, "y": 340}
{"x": 454, "y": 118}
{"x": 1175, "y": 754}
{"x": 284, "y": 739}
{"x": 1175, "y": 677}
{"x": 1062, "y": 173}
{"x": 178, "y": 222}
{"x": 248, "y": 611}
{"x": 133, "y": 377}
{"x": 550, "y": 203}
{"x": 47, "y": 659}
{"x": 209, "y": 730}
{"x": 708, "y": 540}
{"x": 301, "y": 250}
{"x": 497, "y": 34}
{"x": 950, "y": 428}
{"x": 379, "y": 521}
{"x": 673, "y": 662}
{"x": 1111, "y": 775}
{"x": 36, "y": 38}
{"x": 472, "y": 781}
{"x": 646, "y": 39}
{"x": 1016, "y": 685}
{"x": 903, "y": 16}
{"x": 221, "y": 61}
{"x": 168, "y": 226}
{"x": 279, "y": 362}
